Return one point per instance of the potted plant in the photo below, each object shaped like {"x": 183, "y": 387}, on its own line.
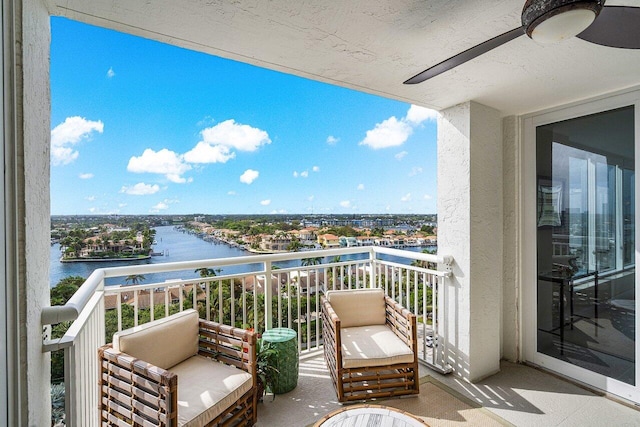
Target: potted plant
{"x": 265, "y": 367}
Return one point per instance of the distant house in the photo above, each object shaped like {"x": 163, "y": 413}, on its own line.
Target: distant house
{"x": 275, "y": 243}
{"x": 364, "y": 240}
{"x": 307, "y": 236}
{"x": 329, "y": 241}
{"x": 348, "y": 242}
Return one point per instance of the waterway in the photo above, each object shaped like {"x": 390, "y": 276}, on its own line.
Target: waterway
{"x": 176, "y": 246}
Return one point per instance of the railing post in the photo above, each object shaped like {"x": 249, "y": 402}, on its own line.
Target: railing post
{"x": 268, "y": 310}
{"x": 373, "y": 264}
{"x": 440, "y": 347}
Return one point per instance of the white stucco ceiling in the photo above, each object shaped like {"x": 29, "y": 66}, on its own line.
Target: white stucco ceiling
{"x": 373, "y": 46}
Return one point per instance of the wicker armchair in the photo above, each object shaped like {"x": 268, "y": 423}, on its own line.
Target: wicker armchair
{"x": 369, "y": 345}
{"x": 139, "y": 375}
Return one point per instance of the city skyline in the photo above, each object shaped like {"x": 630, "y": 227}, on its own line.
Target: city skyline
{"x": 139, "y": 127}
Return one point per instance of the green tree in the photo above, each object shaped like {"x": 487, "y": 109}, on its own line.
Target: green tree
{"x": 307, "y": 262}
{"x": 426, "y": 264}
{"x": 65, "y": 289}
{"x": 428, "y": 229}
{"x": 207, "y": 272}
{"x": 134, "y": 279}
{"x": 60, "y": 294}
{"x": 295, "y": 245}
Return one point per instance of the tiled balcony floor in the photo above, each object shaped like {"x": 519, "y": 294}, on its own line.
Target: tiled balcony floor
{"x": 518, "y": 395}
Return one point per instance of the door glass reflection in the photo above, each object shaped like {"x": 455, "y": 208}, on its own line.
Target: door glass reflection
{"x": 586, "y": 242}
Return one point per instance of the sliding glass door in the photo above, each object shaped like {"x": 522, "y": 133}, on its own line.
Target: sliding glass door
{"x": 585, "y": 240}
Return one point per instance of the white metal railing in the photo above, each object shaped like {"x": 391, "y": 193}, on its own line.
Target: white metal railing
{"x": 97, "y": 311}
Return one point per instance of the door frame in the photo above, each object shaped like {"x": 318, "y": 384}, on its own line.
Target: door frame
{"x": 527, "y": 236}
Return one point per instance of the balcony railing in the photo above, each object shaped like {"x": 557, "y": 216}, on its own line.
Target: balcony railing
{"x": 293, "y": 293}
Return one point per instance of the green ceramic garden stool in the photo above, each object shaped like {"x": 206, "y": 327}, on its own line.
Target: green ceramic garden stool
{"x": 285, "y": 342}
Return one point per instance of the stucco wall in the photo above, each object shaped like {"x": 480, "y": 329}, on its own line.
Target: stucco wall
{"x": 33, "y": 124}
{"x": 470, "y": 228}
{"x": 511, "y": 196}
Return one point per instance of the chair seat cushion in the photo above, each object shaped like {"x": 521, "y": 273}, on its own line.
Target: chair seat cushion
{"x": 206, "y": 388}
{"x": 374, "y": 345}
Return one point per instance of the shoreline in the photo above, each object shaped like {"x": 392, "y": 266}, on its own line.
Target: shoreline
{"x": 105, "y": 259}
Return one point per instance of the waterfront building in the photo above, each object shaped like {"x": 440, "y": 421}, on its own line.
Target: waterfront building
{"x": 348, "y": 241}
{"x": 329, "y": 241}
{"x": 276, "y": 243}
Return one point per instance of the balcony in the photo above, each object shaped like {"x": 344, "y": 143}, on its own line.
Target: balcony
{"x": 97, "y": 311}
{"x": 518, "y": 394}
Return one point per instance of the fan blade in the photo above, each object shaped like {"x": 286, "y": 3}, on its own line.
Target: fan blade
{"x": 616, "y": 26}
{"x": 465, "y": 56}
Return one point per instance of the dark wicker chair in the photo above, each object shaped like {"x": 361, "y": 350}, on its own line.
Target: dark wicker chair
{"x": 134, "y": 392}
{"x": 370, "y": 345}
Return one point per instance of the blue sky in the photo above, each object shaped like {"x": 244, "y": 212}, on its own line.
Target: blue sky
{"x": 141, "y": 127}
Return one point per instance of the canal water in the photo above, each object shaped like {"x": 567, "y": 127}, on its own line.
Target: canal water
{"x": 176, "y": 246}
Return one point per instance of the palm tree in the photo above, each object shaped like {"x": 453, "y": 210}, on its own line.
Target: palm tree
{"x": 425, "y": 264}
{"x": 306, "y": 262}
{"x": 135, "y": 278}
{"x": 294, "y": 246}
{"x": 207, "y": 272}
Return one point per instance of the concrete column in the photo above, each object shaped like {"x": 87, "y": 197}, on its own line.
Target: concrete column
{"x": 27, "y": 205}
{"x": 470, "y": 228}
{"x": 511, "y": 314}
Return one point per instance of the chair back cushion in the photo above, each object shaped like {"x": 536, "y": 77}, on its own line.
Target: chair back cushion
{"x": 164, "y": 342}
{"x": 358, "y": 307}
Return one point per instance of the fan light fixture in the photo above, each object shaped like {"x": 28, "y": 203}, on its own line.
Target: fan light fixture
{"x": 548, "y": 21}
{"x": 552, "y": 21}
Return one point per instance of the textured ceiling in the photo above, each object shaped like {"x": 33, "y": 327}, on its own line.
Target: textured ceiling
{"x": 373, "y": 46}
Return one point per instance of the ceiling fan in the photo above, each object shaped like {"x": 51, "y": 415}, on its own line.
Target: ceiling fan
{"x": 554, "y": 20}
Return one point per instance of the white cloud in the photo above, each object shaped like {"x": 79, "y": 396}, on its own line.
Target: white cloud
{"x": 415, "y": 171}
{"x": 236, "y": 135}
{"x": 279, "y": 211}
{"x": 249, "y": 176}
{"x": 417, "y": 115}
{"x": 266, "y": 202}
{"x": 85, "y": 176}
{"x": 93, "y": 210}
{"x": 310, "y": 198}
{"x": 122, "y": 205}
{"x": 90, "y": 198}
{"x": 165, "y": 162}
{"x": 401, "y": 155}
{"x": 389, "y": 133}
{"x": 140, "y": 189}
{"x": 219, "y": 141}
{"x": 360, "y": 186}
{"x": 316, "y": 169}
{"x": 111, "y": 73}
{"x": 163, "y": 205}
{"x": 303, "y": 174}
{"x": 332, "y": 140}
{"x": 428, "y": 197}
{"x": 205, "y": 153}
{"x": 345, "y": 203}
{"x": 160, "y": 206}
{"x": 406, "y": 198}
{"x": 69, "y": 133}
{"x": 231, "y": 193}
{"x": 393, "y": 132}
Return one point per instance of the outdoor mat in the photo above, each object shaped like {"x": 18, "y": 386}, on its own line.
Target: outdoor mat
{"x": 439, "y": 405}
{"x": 314, "y": 397}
